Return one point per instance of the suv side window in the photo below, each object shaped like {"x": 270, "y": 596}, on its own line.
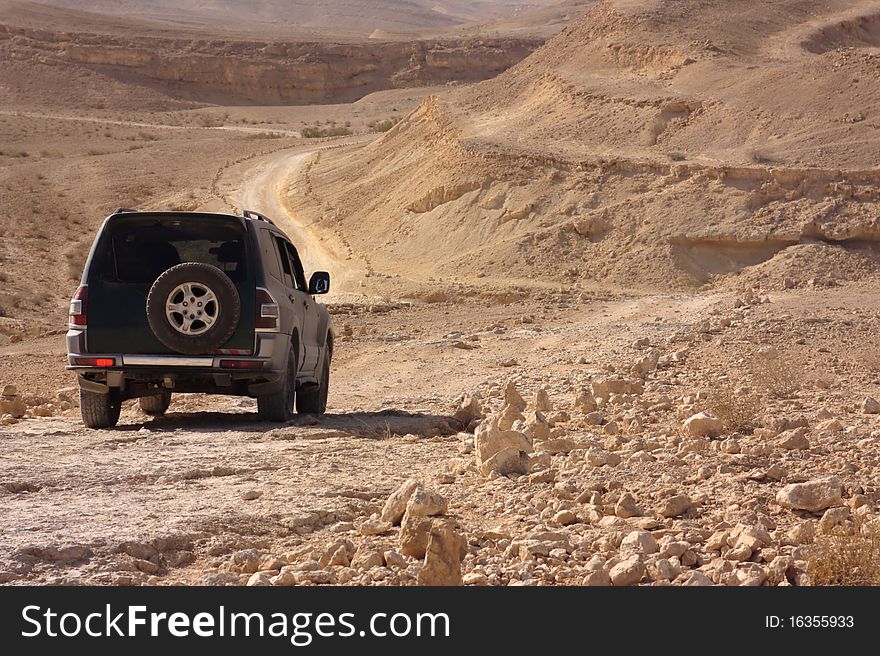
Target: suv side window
{"x": 286, "y": 272}
{"x": 298, "y": 273}
{"x": 290, "y": 264}
{"x": 270, "y": 253}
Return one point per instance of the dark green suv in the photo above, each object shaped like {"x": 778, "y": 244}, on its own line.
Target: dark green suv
{"x": 197, "y": 302}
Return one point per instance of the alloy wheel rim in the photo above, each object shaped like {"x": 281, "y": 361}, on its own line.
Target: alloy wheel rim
{"x": 192, "y": 308}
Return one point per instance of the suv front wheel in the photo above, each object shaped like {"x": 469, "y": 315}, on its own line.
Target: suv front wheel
{"x": 155, "y": 405}
{"x": 99, "y": 410}
{"x": 313, "y": 399}
{"x": 278, "y": 406}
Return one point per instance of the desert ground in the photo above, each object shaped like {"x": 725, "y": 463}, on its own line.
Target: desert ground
{"x": 605, "y": 301}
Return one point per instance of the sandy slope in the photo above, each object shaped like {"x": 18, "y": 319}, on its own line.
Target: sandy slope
{"x": 659, "y": 145}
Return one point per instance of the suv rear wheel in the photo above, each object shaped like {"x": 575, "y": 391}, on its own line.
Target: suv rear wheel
{"x": 193, "y": 308}
{"x": 99, "y": 410}
{"x": 278, "y": 406}
{"x": 155, "y": 405}
{"x": 313, "y": 400}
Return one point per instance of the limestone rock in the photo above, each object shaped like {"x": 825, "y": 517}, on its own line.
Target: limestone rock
{"x": 647, "y": 364}
{"x": 475, "y": 578}
{"x": 829, "y": 426}
{"x": 395, "y": 506}
{"x": 426, "y": 503}
{"x": 584, "y": 402}
{"x": 502, "y": 451}
{"x": 628, "y": 571}
{"x": 373, "y": 526}
{"x": 506, "y": 462}
{"x": 795, "y": 438}
{"x": 695, "y": 578}
{"x": 639, "y": 542}
{"x": 598, "y": 577}
{"x": 833, "y": 519}
{"x": 703, "y": 424}
{"x": 813, "y": 496}
{"x": 414, "y": 534}
{"x": 508, "y": 416}
{"x": 12, "y": 405}
{"x": 367, "y": 559}
{"x": 338, "y": 552}
{"x": 627, "y": 506}
{"x": 259, "y": 579}
{"x": 537, "y": 427}
{"x": 338, "y": 558}
{"x": 512, "y": 396}
{"x": 246, "y": 561}
{"x": 443, "y": 555}
{"x": 542, "y": 401}
{"x": 675, "y": 506}
{"x": 394, "y": 559}
{"x": 468, "y": 410}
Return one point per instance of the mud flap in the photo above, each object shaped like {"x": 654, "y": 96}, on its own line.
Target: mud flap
{"x": 259, "y": 389}
{"x": 92, "y": 386}
{"x": 115, "y": 381}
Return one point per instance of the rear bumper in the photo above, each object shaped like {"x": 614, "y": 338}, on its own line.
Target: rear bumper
{"x": 138, "y": 374}
{"x": 169, "y": 363}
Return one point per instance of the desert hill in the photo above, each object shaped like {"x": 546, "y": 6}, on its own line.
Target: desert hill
{"x": 649, "y": 144}
{"x": 360, "y": 16}
{"x": 123, "y": 65}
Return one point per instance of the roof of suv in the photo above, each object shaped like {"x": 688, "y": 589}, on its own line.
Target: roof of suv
{"x": 249, "y": 215}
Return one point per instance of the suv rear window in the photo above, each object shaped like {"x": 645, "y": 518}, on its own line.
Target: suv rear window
{"x": 139, "y": 249}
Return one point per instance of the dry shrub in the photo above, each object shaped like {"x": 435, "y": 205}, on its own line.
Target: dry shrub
{"x": 264, "y": 135}
{"x": 846, "y": 558}
{"x": 384, "y": 125}
{"x": 207, "y": 121}
{"x": 777, "y": 374}
{"x": 314, "y": 133}
{"x": 740, "y": 410}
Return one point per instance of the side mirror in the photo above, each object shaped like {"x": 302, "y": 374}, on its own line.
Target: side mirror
{"x": 319, "y": 283}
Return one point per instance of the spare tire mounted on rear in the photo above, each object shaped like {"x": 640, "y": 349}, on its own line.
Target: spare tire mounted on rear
{"x": 193, "y": 308}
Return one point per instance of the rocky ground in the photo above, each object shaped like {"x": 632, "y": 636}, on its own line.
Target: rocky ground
{"x": 567, "y": 439}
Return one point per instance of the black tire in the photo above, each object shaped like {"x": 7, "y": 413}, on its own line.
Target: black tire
{"x": 313, "y": 400}
{"x": 155, "y": 405}
{"x": 99, "y": 410}
{"x": 278, "y": 406}
{"x": 227, "y": 310}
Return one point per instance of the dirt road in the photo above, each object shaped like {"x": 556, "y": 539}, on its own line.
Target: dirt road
{"x": 265, "y": 190}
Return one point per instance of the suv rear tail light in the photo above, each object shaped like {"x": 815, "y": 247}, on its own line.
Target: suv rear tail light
{"x": 267, "y": 312}
{"x": 96, "y": 362}
{"x": 241, "y": 364}
{"x": 78, "y": 315}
